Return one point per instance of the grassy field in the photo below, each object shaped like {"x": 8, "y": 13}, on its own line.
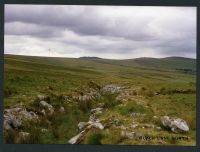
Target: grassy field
{"x": 155, "y": 82}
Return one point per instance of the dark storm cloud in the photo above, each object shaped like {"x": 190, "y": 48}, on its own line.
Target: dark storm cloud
{"x": 118, "y": 32}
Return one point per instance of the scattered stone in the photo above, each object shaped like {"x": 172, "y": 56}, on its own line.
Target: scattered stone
{"x": 42, "y": 97}
{"x": 28, "y": 115}
{"x": 158, "y": 128}
{"x": 176, "y": 125}
{"x": 48, "y": 106}
{"x": 43, "y": 130}
{"x": 155, "y": 117}
{"x": 149, "y": 126}
{"x": 134, "y": 126}
{"x": 112, "y": 88}
{"x": 76, "y": 139}
{"x": 66, "y": 98}
{"x": 82, "y": 125}
{"x": 97, "y": 125}
{"x": 129, "y": 135}
{"x": 93, "y": 118}
{"x": 123, "y": 127}
{"x": 84, "y": 98}
{"x": 137, "y": 115}
{"x": 97, "y": 110}
{"x": 43, "y": 112}
{"x": 62, "y": 109}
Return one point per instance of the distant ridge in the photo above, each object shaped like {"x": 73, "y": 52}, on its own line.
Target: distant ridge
{"x": 173, "y": 63}
{"x": 93, "y": 57}
{"x": 89, "y": 57}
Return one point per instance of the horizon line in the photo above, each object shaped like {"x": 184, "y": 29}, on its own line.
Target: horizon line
{"x": 100, "y": 57}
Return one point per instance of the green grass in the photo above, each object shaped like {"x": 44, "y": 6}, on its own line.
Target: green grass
{"x": 156, "y": 82}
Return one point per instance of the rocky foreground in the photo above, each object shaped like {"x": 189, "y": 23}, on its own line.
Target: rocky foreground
{"x": 99, "y": 119}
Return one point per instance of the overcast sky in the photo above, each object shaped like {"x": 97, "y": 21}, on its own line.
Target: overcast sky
{"x": 117, "y": 32}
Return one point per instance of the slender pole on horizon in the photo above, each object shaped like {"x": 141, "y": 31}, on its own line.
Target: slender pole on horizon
{"x": 49, "y": 52}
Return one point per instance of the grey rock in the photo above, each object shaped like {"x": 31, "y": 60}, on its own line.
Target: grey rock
{"x": 166, "y": 122}
{"x": 43, "y": 112}
{"x": 134, "y": 126}
{"x": 129, "y": 135}
{"x": 97, "y": 110}
{"x": 82, "y": 125}
{"x": 48, "y": 106}
{"x": 93, "y": 118}
{"x": 97, "y": 125}
{"x": 112, "y": 88}
{"x": 84, "y": 98}
{"x": 176, "y": 125}
{"x": 13, "y": 118}
{"x": 66, "y": 98}
{"x": 41, "y": 97}
{"x": 43, "y": 130}
{"x": 137, "y": 115}
{"x": 149, "y": 126}
{"x": 62, "y": 109}
{"x": 76, "y": 138}
{"x": 158, "y": 128}
{"x": 11, "y": 121}
{"x": 28, "y": 115}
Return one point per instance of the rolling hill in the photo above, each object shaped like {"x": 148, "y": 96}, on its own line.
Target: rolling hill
{"x": 153, "y": 88}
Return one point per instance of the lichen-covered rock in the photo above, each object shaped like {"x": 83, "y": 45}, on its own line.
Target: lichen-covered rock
{"x": 176, "y": 125}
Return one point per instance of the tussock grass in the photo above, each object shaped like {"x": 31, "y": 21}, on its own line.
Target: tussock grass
{"x": 93, "y": 137}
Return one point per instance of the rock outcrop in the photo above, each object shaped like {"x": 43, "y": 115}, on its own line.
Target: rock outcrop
{"x": 13, "y": 118}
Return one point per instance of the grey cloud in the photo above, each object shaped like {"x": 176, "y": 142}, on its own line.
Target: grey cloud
{"x": 94, "y": 30}
{"x": 82, "y": 20}
{"x": 20, "y": 28}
